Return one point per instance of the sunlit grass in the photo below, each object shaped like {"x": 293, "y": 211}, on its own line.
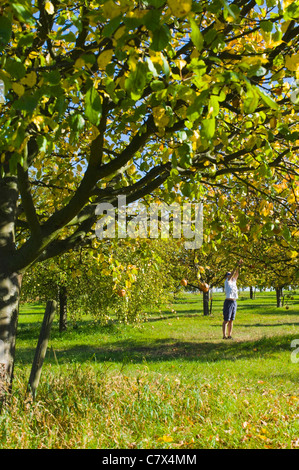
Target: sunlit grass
{"x": 171, "y": 382}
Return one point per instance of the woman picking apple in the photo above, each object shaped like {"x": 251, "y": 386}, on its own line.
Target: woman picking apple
{"x": 230, "y": 303}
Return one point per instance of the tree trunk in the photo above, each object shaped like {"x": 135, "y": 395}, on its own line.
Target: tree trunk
{"x": 206, "y": 299}
{"x": 279, "y": 296}
{"x": 251, "y": 292}
{"x": 10, "y": 280}
{"x": 10, "y": 286}
{"x": 62, "y": 308}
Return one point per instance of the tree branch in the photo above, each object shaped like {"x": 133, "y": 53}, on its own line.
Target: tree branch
{"x": 27, "y": 201}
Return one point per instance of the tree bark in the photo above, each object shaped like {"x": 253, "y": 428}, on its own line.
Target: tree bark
{"x": 206, "y": 299}
{"x": 251, "y": 292}
{"x": 279, "y": 296}
{"x": 41, "y": 348}
{"x": 10, "y": 280}
{"x": 10, "y": 286}
{"x": 62, "y": 308}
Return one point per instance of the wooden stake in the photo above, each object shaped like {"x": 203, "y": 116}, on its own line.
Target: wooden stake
{"x": 41, "y": 347}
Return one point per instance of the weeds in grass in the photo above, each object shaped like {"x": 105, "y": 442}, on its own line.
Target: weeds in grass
{"x": 88, "y": 408}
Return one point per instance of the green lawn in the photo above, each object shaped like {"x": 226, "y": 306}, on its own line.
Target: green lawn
{"x": 171, "y": 382}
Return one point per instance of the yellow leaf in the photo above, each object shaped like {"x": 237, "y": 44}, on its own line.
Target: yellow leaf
{"x": 221, "y": 201}
{"x": 292, "y": 62}
{"x": 105, "y": 58}
{"x": 137, "y": 13}
{"x": 167, "y": 439}
{"x": 111, "y": 10}
{"x": 119, "y": 32}
{"x": 265, "y": 208}
{"x": 32, "y": 55}
{"x": 156, "y": 57}
{"x": 180, "y": 8}
{"x": 273, "y": 122}
{"x": 30, "y": 79}
{"x": 38, "y": 120}
{"x": 18, "y": 89}
{"x": 106, "y": 272}
{"x": 131, "y": 170}
{"x": 49, "y": 7}
{"x": 94, "y": 132}
{"x": 286, "y": 3}
{"x": 79, "y": 63}
{"x": 256, "y": 60}
{"x": 161, "y": 120}
{"x": 180, "y": 63}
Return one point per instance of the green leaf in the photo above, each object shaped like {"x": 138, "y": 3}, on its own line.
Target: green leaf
{"x": 196, "y": 36}
{"x": 26, "y": 39}
{"x": 251, "y": 101}
{"x": 160, "y": 38}
{"x": 42, "y": 143}
{"x": 53, "y": 77}
{"x": 157, "y": 85}
{"x": 26, "y": 103}
{"x": 232, "y": 10}
{"x": 112, "y": 26}
{"x": 69, "y": 37}
{"x": 208, "y": 128}
{"x": 151, "y": 67}
{"x": 19, "y": 137}
{"x": 186, "y": 189}
{"x": 136, "y": 81}
{"x": 292, "y": 11}
{"x": 268, "y": 100}
{"x": 213, "y": 105}
{"x": 5, "y": 31}
{"x": 93, "y": 106}
{"x": 266, "y": 26}
{"x": 23, "y": 14}
{"x": 15, "y": 68}
{"x": 77, "y": 122}
{"x": 257, "y": 71}
{"x": 152, "y": 20}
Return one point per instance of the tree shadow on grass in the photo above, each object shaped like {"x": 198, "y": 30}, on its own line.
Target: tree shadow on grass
{"x": 32, "y": 309}
{"x": 163, "y": 350}
{"x": 259, "y": 325}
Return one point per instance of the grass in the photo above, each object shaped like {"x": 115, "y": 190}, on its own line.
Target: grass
{"x": 171, "y": 382}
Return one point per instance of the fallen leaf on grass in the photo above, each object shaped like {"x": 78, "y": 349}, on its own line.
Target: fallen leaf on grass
{"x": 165, "y": 439}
